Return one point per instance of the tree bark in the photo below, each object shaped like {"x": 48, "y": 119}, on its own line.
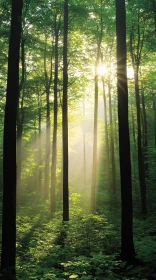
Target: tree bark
{"x": 8, "y": 254}
{"x": 65, "y": 116}
{"x": 136, "y": 57}
{"x": 47, "y": 87}
{"x": 140, "y": 152}
{"x": 94, "y": 168}
{"x": 145, "y": 142}
{"x": 54, "y": 142}
{"x": 20, "y": 119}
{"x": 153, "y": 3}
{"x": 39, "y": 142}
{"x": 154, "y": 118}
{"x": 106, "y": 135}
{"x": 112, "y": 141}
{"x": 84, "y": 148}
{"x": 127, "y": 245}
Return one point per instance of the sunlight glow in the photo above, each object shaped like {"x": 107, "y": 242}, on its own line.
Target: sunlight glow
{"x": 101, "y": 70}
{"x": 130, "y": 73}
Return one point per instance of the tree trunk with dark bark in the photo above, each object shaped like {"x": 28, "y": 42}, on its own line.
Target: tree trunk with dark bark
{"x": 145, "y": 142}
{"x": 106, "y": 135}
{"x": 65, "y": 116}
{"x": 20, "y": 119}
{"x": 127, "y": 245}
{"x": 94, "y": 168}
{"x": 54, "y": 141}
{"x": 48, "y": 81}
{"x": 112, "y": 142}
{"x": 140, "y": 151}
{"x": 8, "y": 255}
{"x": 39, "y": 142}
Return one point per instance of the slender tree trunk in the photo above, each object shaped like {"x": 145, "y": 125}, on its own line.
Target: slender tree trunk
{"x": 133, "y": 128}
{"x": 46, "y": 183}
{"x": 127, "y": 245}
{"x": 106, "y": 135}
{"x": 8, "y": 254}
{"x": 134, "y": 148}
{"x": 20, "y": 120}
{"x": 61, "y": 161}
{"x": 65, "y": 116}
{"x": 94, "y": 169}
{"x": 115, "y": 123}
{"x": 19, "y": 151}
{"x": 35, "y": 176}
{"x": 140, "y": 152}
{"x": 112, "y": 142}
{"x": 153, "y": 3}
{"x": 145, "y": 142}
{"x": 136, "y": 47}
{"x": 84, "y": 146}
{"x": 54, "y": 143}
{"x": 39, "y": 143}
{"x": 47, "y": 87}
{"x": 154, "y": 117}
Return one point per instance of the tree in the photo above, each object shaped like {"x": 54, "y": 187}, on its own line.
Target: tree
{"x": 112, "y": 139}
{"x": 136, "y": 46}
{"x": 106, "y": 134}
{"x": 127, "y": 246}
{"x": 48, "y": 81}
{"x": 153, "y": 6}
{"x": 94, "y": 167}
{"x": 9, "y": 145}
{"x": 54, "y": 143}
{"x": 20, "y": 117}
{"x": 65, "y": 116}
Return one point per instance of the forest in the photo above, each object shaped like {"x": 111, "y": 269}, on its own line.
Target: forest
{"x": 78, "y": 139}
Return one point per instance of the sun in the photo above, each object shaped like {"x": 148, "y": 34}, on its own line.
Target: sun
{"x": 101, "y": 70}
{"x": 130, "y": 72}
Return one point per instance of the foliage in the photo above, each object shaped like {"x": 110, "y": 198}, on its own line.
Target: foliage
{"x": 83, "y": 249}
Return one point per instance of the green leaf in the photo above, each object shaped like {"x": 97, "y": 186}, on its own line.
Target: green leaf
{"x": 73, "y": 276}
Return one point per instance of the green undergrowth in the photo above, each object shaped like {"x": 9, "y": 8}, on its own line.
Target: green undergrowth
{"x": 84, "y": 248}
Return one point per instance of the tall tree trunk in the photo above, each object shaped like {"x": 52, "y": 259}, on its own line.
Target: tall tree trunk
{"x": 47, "y": 87}
{"x": 135, "y": 52}
{"x": 154, "y": 117}
{"x": 140, "y": 152}
{"x": 134, "y": 147}
{"x": 133, "y": 127}
{"x": 145, "y": 142}
{"x": 106, "y": 135}
{"x": 84, "y": 147}
{"x": 112, "y": 142}
{"x": 39, "y": 142}
{"x": 54, "y": 142}
{"x": 47, "y": 158}
{"x": 94, "y": 168}
{"x": 153, "y": 3}
{"x": 35, "y": 173}
{"x": 127, "y": 245}
{"x": 20, "y": 119}
{"x": 9, "y": 147}
{"x": 65, "y": 116}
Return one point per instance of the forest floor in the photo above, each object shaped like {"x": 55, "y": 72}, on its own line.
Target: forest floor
{"x": 87, "y": 247}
